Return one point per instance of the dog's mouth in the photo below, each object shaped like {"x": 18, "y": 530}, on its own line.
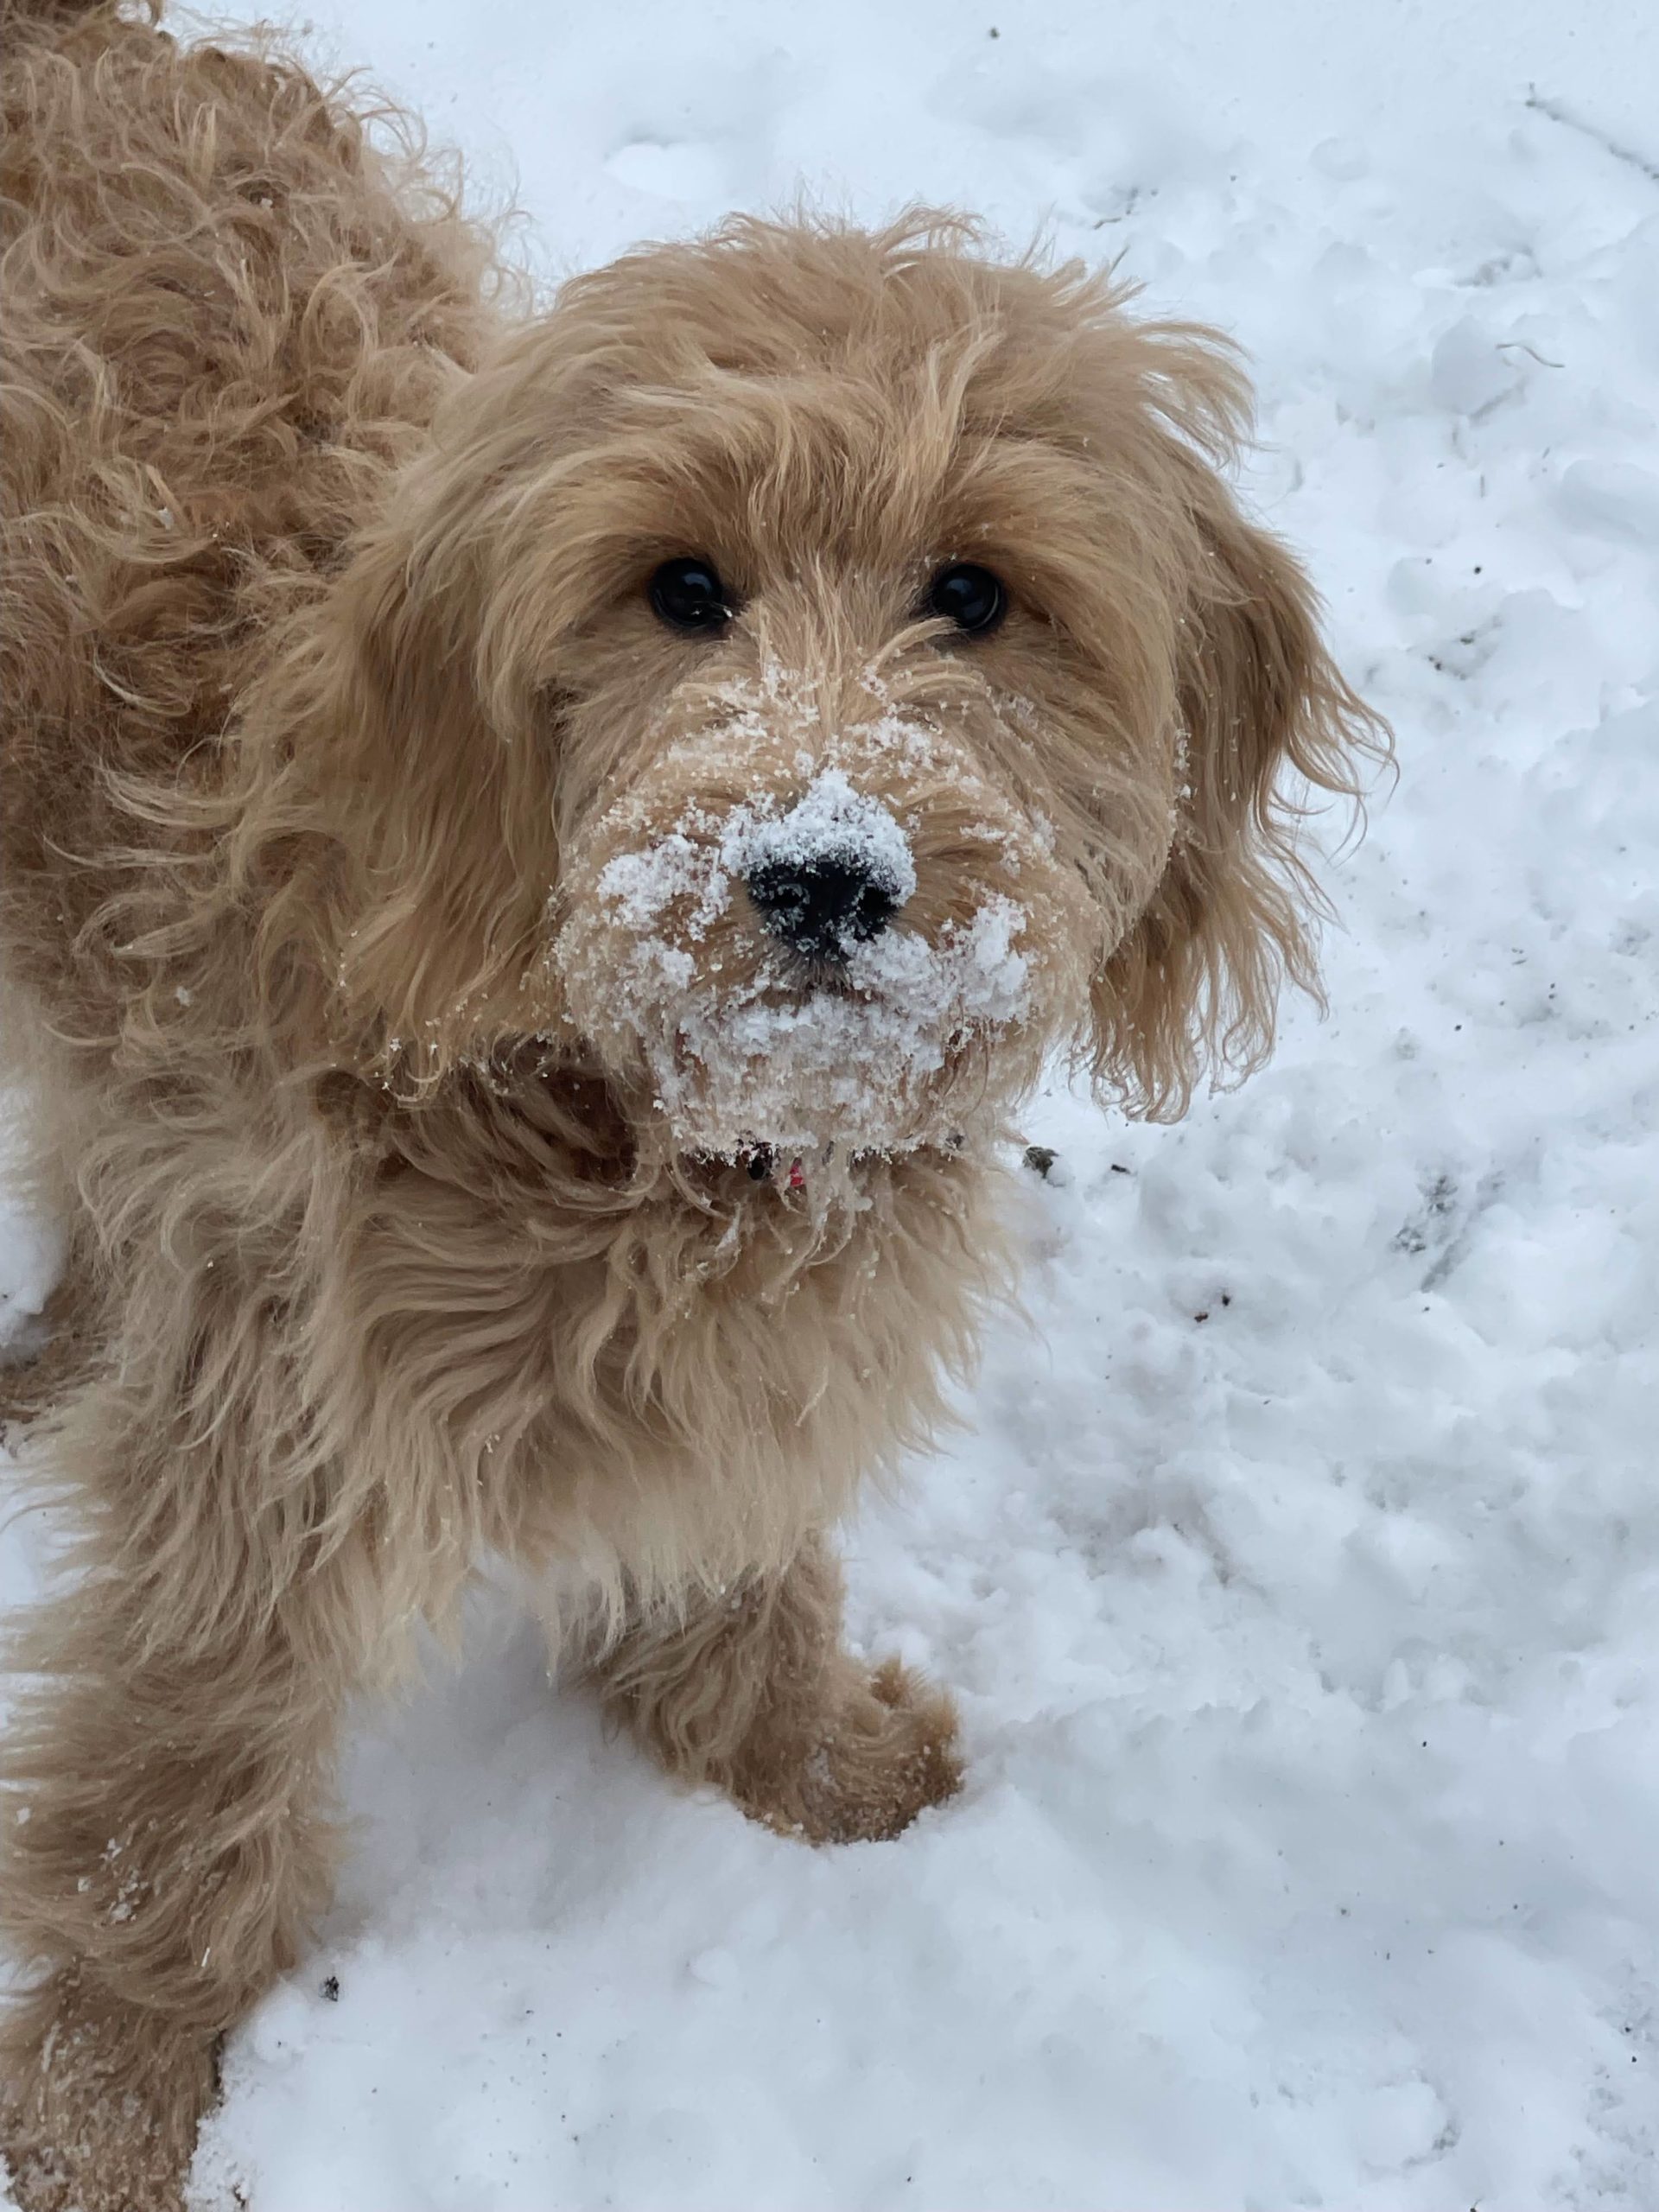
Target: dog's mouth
{"x": 857, "y": 1057}
{"x": 780, "y": 1055}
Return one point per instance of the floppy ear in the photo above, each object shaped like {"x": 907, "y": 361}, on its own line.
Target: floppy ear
{"x": 1261, "y": 707}
{"x": 397, "y": 795}
{"x": 455, "y": 822}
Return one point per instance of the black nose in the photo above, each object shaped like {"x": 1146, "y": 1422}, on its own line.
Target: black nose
{"x": 821, "y": 907}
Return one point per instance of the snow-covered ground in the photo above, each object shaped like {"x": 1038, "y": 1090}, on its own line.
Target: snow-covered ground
{"x": 1298, "y": 1570}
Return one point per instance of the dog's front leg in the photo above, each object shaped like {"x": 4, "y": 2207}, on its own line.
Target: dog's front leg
{"x": 162, "y": 1848}
{"x": 752, "y": 1690}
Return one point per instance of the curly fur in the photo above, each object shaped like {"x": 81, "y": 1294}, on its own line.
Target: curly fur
{"x": 331, "y": 697}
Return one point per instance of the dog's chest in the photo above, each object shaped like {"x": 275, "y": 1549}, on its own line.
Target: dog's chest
{"x": 663, "y": 1391}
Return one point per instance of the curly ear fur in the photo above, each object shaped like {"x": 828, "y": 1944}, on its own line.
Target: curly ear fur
{"x": 403, "y": 775}
{"x": 426, "y": 683}
{"x": 396, "y": 810}
{"x": 1236, "y": 910}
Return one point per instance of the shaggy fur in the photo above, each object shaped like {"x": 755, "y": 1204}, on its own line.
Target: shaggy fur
{"x": 454, "y": 1162}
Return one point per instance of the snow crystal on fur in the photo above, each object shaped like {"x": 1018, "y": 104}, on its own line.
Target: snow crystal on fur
{"x": 780, "y": 1063}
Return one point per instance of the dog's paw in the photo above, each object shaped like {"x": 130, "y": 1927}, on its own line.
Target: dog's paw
{"x": 889, "y": 1751}
{"x": 99, "y": 2103}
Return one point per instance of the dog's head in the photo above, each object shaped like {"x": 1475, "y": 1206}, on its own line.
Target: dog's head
{"x": 814, "y": 676}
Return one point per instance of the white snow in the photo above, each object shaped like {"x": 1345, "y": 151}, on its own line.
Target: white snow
{"x": 1298, "y": 1570}
{"x": 698, "y": 859}
{"x": 831, "y": 821}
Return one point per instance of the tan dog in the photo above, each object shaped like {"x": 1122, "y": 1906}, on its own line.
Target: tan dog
{"x": 540, "y": 857}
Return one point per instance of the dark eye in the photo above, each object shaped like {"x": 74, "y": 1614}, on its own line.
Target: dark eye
{"x": 689, "y": 596}
{"x": 972, "y": 598}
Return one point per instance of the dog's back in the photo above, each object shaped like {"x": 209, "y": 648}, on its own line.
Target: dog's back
{"x": 227, "y": 316}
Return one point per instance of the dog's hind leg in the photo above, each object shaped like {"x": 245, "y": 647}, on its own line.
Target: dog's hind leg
{"x": 165, "y": 1845}
{"x": 752, "y": 1690}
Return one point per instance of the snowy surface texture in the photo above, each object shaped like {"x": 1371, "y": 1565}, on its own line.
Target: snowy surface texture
{"x": 1299, "y": 1568}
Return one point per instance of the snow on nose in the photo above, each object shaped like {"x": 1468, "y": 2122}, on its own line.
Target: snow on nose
{"x": 829, "y": 873}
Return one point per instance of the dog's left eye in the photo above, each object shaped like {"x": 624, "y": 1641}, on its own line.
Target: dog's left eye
{"x": 971, "y": 597}
{"x": 689, "y": 596}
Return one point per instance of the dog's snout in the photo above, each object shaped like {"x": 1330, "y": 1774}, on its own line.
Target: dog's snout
{"x": 821, "y": 906}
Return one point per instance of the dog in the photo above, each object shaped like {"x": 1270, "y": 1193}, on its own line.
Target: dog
{"x": 544, "y": 848}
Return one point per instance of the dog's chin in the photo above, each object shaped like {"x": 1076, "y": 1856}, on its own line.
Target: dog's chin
{"x": 825, "y": 1094}
{"x": 814, "y": 1074}
{"x": 769, "y": 1143}
{"x": 734, "y": 1051}
{"x": 752, "y": 1115}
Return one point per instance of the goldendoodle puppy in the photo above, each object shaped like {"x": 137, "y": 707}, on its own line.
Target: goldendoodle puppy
{"x": 540, "y": 855}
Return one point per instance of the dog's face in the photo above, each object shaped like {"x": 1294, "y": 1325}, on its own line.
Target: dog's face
{"x": 815, "y": 676}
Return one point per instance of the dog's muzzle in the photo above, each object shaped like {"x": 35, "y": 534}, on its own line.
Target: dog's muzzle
{"x": 771, "y": 962}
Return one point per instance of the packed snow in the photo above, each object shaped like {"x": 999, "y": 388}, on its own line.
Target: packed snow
{"x": 1297, "y": 1562}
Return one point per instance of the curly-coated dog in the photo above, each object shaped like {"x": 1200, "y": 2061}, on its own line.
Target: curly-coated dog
{"x": 541, "y": 852}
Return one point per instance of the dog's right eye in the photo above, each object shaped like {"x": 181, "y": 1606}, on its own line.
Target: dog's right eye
{"x": 970, "y": 596}
{"x": 689, "y": 596}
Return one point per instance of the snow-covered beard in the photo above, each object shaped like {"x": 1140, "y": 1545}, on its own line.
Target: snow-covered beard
{"x": 902, "y": 1037}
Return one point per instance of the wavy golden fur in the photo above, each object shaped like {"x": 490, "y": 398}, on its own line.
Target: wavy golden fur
{"x": 369, "y": 928}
